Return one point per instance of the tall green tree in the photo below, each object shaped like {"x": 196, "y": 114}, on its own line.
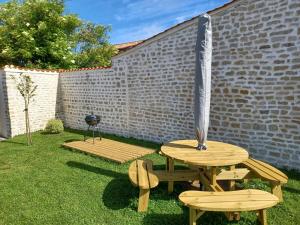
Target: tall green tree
{"x": 93, "y": 47}
{"x": 37, "y": 33}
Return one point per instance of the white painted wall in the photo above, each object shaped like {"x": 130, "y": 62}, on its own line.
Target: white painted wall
{"x": 43, "y": 106}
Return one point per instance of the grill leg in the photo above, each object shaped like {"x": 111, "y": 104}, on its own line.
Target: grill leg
{"x": 93, "y": 134}
{"x": 87, "y": 131}
{"x": 98, "y": 128}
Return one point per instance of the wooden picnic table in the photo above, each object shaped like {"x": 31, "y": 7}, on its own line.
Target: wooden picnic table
{"x": 217, "y": 154}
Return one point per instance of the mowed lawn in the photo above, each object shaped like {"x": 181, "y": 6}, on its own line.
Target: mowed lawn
{"x": 47, "y": 184}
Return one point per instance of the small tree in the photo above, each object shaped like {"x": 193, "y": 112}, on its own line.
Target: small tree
{"x": 27, "y": 89}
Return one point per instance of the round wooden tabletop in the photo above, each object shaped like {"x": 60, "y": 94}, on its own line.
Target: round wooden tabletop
{"x": 217, "y": 153}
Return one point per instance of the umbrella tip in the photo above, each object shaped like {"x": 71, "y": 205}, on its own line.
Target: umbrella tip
{"x": 201, "y": 147}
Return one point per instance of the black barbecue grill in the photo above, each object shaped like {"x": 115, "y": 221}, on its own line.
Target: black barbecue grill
{"x": 93, "y": 122}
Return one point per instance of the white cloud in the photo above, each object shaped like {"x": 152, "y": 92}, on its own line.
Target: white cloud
{"x": 145, "y": 18}
{"x": 148, "y": 9}
{"x": 140, "y": 32}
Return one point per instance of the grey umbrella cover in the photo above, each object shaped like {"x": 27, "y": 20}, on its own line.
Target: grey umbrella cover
{"x": 203, "y": 79}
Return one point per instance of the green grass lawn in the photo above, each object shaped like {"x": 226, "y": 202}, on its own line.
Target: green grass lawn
{"x": 47, "y": 184}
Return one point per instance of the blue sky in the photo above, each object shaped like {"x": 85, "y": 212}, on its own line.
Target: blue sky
{"x": 133, "y": 20}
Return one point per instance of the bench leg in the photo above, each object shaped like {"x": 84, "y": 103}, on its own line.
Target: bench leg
{"x": 143, "y": 200}
{"x": 262, "y": 216}
{"x": 194, "y": 215}
{"x": 170, "y": 168}
{"x": 234, "y": 215}
{"x": 276, "y": 190}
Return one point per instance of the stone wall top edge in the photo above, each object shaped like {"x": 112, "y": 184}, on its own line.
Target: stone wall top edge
{"x": 31, "y": 71}
{"x": 78, "y": 72}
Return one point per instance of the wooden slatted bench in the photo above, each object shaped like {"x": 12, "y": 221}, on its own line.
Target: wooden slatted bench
{"x": 269, "y": 173}
{"x": 231, "y": 201}
{"x": 141, "y": 175}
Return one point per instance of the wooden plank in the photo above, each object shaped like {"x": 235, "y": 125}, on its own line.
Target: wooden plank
{"x": 213, "y": 176}
{"x": 177, "y": 175}
{"x": 192, "y": 215}
{"x": 109, "y": 149}
{"x": 262, "y": 217}
{"x": 132, "y": 173}
{"x": 170, "y": 170}
{"x": 265, "y": 170}
{"x": 276, "y": 190}
{"x": 102, "y": 155}
{"x": 142, "y": 175}
{"x": 143, "y": 200}
{"x": 236, "y": 174}
{"x": 218, "y": 154}
{"x": 153, "y": 179}
{"x": 231, "y": 201}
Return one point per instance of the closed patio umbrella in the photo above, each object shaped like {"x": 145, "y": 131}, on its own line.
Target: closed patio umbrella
{"x": 203, "y": 79}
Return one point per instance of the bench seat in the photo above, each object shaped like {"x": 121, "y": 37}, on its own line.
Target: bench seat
{"x": 268, "y": 173}
{"x": 230, "y": 201}
{"x": 141, "y": 175}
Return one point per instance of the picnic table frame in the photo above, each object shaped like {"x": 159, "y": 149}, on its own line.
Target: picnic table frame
{"x": 218, "y": 154}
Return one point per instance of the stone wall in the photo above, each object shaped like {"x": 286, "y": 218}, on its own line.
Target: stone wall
{"x": 256, "y": 79}
{"x": 103, "y": 92}
{"x": 41, "y": 109}
{"x": 148, "y": 93}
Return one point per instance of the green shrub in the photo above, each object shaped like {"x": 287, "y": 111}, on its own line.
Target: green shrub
{"x": 54, "y": 126}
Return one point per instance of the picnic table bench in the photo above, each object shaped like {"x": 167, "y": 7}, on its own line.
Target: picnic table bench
{"x": 142, "y": 175}
{"x": 230, "y": 201}
{"x": 266, "y": 172}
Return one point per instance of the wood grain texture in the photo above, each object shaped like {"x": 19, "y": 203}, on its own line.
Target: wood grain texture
{"x": 230, "y": 201}
{"x": 236, "y": 174}
{"x": 109, "y": 149}
{"x": 217, "y": 153}
{"x": 265, "y": 171}
{"x": 141, "y": 174}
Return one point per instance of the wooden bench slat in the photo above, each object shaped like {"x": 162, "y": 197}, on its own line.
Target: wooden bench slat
{"x": 141, "y": 174}
{"x": 132, "y": 173}
{"x": 153, "y": 179}
{"x": 265, "y": 170}
{"x": 231, "y": 201}
{"x": 236, "y": 174}
{"x": 275, "y": 171}
{"x": 179, "y": 175}
{"x": 143, "y": 180}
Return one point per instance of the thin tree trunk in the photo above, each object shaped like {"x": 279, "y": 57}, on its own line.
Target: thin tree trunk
{"x": 26, "y": 123}
{"x": 29, "y": 130}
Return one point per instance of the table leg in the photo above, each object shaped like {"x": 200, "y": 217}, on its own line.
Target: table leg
{"x": 213, "y": 175}
{"x": 170, "y": 169}
{"x": 232, "y": 182}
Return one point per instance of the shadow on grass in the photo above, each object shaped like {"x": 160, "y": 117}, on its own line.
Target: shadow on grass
{"x": 96, "y": 170}
{"x": 292, "y": 174}
{"x": 292, "y": 190}
{"x": 73, "y": 139}
{"x": 119, "y": 192}
{"x": 14, "y": 142}
{"x": 4, "y": 166}
{"x": 211, "y": 218}
{"x": 174, "y": 219}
